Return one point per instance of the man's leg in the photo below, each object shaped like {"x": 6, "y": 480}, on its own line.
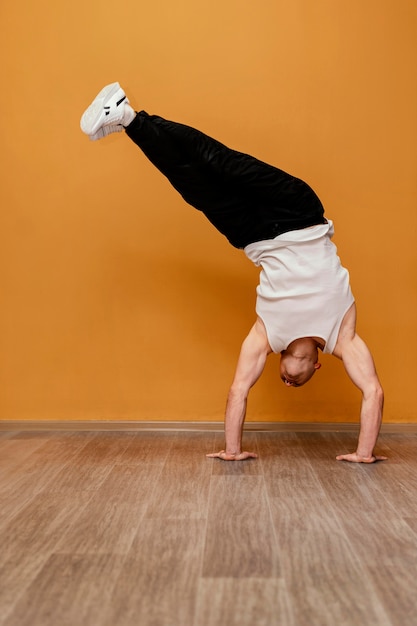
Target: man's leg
{"x": 245, "y": 199}
{"x": 184, "y": 155}
{"x": 180, "y": 152}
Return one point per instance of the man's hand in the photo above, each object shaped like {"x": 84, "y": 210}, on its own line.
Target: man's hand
{"x": 232, "y": 457}
{"x": 355, "y": 458}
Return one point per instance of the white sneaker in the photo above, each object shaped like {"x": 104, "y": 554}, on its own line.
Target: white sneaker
{"x": 109, "y": 113}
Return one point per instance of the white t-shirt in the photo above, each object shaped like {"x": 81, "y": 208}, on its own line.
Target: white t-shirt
{"x": 303, "y": 289}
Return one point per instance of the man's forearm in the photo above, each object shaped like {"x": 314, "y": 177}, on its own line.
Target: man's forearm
{"x": 371, "y": 418}
{"x": 234, "y": 419}
{"x": 251, "y": 363}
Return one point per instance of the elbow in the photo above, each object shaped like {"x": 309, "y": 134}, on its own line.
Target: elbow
{"x": 376, "y": 393}
{"x": 380, "y": 394}
{"x": 238, "y": 392}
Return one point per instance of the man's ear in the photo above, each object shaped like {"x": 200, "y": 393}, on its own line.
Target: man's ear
{"x": 317, "y": 366}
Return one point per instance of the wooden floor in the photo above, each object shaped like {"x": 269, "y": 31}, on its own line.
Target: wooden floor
{"x": 140, "y": 528}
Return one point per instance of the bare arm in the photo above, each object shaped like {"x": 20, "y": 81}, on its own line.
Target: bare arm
{"x": 250, "y": 366}
{"x": 360, "y": 368}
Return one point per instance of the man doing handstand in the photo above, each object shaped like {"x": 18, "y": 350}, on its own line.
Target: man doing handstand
{"x": 304, "y": 301}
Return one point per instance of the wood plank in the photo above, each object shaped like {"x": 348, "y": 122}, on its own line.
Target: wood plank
{"x": 24, "y": 483}
{"x": 148, "y": 447}
{"x": 285, "y": 466}
{"x": 68, "y": 590}
{"x": 30, "y": 538}
{"x": 326, "y": 584}
{"x": 37, "y": 470}
{"x": 394, "y": 487}
{"x": 11, "y": 502}
{"x": 399, "y": 448}
{"x": 392, "y": 480}
{"x": 61, "y": 446}
{"x": 13, "y": 451}
{"x": 376, "y": 501}
{"x": 411, "y": 522}
{"x": 183, "y": 487}
{"x": 91, "y": 462}
{"x": 325, "y": 579}
{"x": 109, "y": 522}
{"x": 75, "y": 478}
{"x": 159, "y": 579}
{"x": 322, "y": 448}
{"x": 243, "y": 602}
{"x": 31, "y": 473}
{"x": 240, "y": 539}
{"x": 104, "y": 447}
{"x": 30, "y": 470}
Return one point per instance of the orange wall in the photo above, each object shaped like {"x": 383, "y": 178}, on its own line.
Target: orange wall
{"x": 121, "y": 302}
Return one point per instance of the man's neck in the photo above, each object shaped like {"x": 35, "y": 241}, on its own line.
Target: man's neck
{"x": 305, "y": 348}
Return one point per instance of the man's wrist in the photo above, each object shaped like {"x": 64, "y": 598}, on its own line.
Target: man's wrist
{"x": 365, "y": 457}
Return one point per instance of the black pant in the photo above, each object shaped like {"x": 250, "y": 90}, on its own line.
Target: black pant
{"x": 245, "y": 199}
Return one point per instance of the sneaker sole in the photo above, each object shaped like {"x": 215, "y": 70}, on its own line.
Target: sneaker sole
{"x": 104, "y": 131}
{"x": 92, "y": 117}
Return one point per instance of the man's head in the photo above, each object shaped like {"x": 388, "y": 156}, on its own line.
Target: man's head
{"x": 299, "y": 362}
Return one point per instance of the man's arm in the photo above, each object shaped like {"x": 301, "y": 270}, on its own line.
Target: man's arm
{"x": 360, "y": 368}
{"x": 250, "y": 366}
